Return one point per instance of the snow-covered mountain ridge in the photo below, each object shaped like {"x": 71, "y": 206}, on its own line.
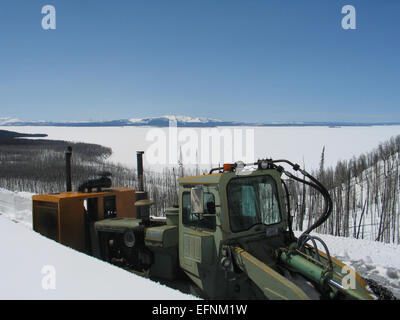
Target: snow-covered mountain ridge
{"x": 181, "y": 121}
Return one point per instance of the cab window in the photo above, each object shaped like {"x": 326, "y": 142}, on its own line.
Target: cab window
{"x": 251, "y": 201}
{"x": 198, "y": 220}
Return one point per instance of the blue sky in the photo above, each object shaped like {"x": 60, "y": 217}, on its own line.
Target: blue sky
{"x": 228, "y": 59}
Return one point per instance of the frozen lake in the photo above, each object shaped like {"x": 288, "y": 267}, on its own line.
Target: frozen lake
{"x": 293, "y": 143}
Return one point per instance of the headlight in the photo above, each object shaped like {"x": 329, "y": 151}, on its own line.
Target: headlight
{"x": 225, "y": 262}
{"x": 263, "y": 164}
{"x": 129, "y": 238}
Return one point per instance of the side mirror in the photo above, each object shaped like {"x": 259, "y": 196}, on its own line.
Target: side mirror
{"x": 197, "y": 200}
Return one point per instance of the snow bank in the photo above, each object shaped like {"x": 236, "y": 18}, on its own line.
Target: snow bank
{"x": 373, "y": 252}
{"x": 16, "y": 206}
{"x": 25, "y": 255}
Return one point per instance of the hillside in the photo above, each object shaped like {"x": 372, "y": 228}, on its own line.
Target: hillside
{"x": 78, "y": 274}
{"x": 28, "y": 259}
{"x": 365, "y": 193}
{"x": 6, "y": 134}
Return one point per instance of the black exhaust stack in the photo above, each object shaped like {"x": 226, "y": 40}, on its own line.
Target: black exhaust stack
{"x": 139, "y": 156}
{"x": 142, "y": 204}
{"x": 68, "y": 155}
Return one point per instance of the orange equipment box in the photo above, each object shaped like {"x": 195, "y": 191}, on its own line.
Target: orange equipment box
{"x": 64, "y": 217}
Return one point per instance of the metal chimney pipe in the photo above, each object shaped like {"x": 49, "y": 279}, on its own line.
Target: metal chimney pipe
{"x": 68, "y": 155}
{"x": 139, "y": 155}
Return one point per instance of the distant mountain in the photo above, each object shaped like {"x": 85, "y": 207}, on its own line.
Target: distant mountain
{"x": 9, "y": 121}
{"x": 163, "y": 121}
{"x": 181, "y": 121}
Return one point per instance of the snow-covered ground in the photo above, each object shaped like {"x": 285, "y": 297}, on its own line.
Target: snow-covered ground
{"x": 34, "y": 267}
{"x": 79, "y": 276}
{"x": 28, "y": 260}
{"x": 25, "y": 255}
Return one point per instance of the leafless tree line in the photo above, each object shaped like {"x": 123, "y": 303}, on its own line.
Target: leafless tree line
{"x": 365, "y": 194}
{"x": 364, "y": 190}
{"x": 38, "y": 166}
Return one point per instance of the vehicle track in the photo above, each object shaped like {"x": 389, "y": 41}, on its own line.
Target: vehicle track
{"x": 384, "y": 280}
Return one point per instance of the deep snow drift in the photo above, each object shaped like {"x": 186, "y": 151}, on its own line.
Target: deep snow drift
{"x": 28, "y": 261}
{"x": 17, "y": 206}
{"x": 24, "y": 253}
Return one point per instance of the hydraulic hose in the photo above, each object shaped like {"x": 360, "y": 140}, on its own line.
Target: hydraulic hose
{"x": 288, "y": 208}
{"x": 314, "y": 183}
{"x": 327, "y": 206}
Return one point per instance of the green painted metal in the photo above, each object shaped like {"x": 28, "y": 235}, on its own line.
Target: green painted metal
{"x": 306, "y": 268}
{"x": 117, "y": 225}
{"x": 273, "y": 285}
{"x": 163, "y": 236}
{"x": 321, "y": 275}
{"x": 172, "y": 215}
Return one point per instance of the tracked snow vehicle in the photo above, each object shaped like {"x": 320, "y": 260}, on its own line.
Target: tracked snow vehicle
{"x": 230, "y": 234}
